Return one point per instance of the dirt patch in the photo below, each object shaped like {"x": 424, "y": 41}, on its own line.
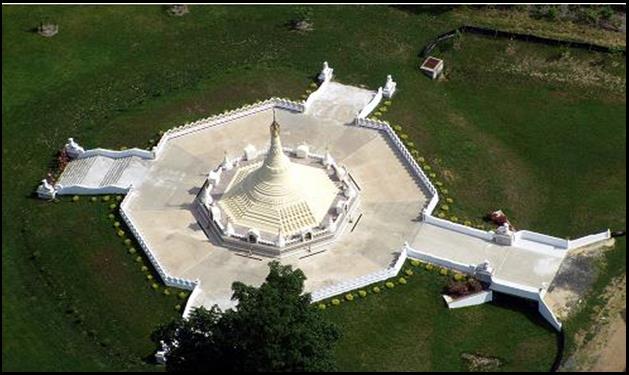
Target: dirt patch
{"x": 603, "y": 347}
{"x": 477, "y": 362}
{"x": 576, "y": 275}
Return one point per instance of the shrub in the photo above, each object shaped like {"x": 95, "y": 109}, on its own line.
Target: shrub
{"x": 111, "y": 216}
{"x": 443, "y": 272}
{"x": 120, "y": 233}
{"x": 444, "y": 191}
{"x": 454, "y": 219}
{"x": 415, "y": 263}
{"x": 467, "y": 223}
{"x": 362, "y": 293}
{"x": 132, "y": 250}
{"x": 106, "y": 198}
{"x": 75, "y": 198}
{"x": 119, "y": 198}
{"x": 474, "y": 285}
{"x": 177, "y": 307}
{"x": 116, "y": 224}
{"x": 459, "y": 277}
{"x": 149, "y": 277}
{"x": 349, "y": 297}
{"x": 389, "y": 284}
{"x": 441, "y": 215}
{"x": 408, "y": 272}
{"x": 457, "y": 289}
{"x": 438, "y": 183}
{"x": 151, "y": 141}
{"x": 403, "y": 136}
{"x": 166, "y": 292}
{"x": 383, "y": 109}
{"x": 93, "y": 199}
{"x": 321, "y": 306}
{"x": 122, "y": 148}
{"x": 313, "y": 85}
{"x": 444, "y": 207}
{"x": 410, "y": 144}
{"x": 376, "y": 289}
{"x": 113, "y": 206}
{"x": 377, "y": 114}
{"x": 432, "y": 175}
{"x": 427, "y": 167}
{"x": 336, "y": 302}
{"x": 127, "y": 241}
{"x": 449, "y": 200}
{"x": 397, "y": 128}
{"x": 138, "y": 259}
{"x": 144, "y": 268}
{"x": 182, "y": 295}
{"x": 402, "y": 280}
{"x": 421, "y": 159}
{"x": 429, "y": 267}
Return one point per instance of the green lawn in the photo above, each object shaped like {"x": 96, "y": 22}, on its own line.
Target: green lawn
{"x": 543, "y": 142}
{"x": 409, "y": 328}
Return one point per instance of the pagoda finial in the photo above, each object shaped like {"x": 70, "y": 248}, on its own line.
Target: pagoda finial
{"x": 275, "y": 127}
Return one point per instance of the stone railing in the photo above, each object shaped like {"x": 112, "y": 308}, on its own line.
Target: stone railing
{"x": 414, "y": 167}
{"x": 464, "y": 229}
{"x": 588, "y": 240}
{"x": 362, "y": 281}
{"x": 226, "y": 117}
{"x": 166, "y": 278}
{"x": 371, "y": 105}
{"x": 316, "y": 94}
{"x": 113, "y": 154}
{"x": 87, "y": 190}
{"x": 442, "y": 262}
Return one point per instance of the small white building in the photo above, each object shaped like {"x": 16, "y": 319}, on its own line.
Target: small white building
{"x": 432, "y": 66}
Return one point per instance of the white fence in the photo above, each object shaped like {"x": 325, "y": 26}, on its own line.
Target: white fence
{"x": 464, "y": 229}
{"x": 588, "y": 240}
{"x": 144, "y": 154}
{"x": 417, "y": 171}
{"x": 371, "y": 105}
{"x": 316, "y": 94}
{"x": 443, "y": 262}
{"x": 226, "y": 117}
{"x": 362, "y": 281}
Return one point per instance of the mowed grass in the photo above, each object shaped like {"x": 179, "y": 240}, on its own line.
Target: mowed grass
{"x": 409, "y": 328}
{"x": 115, "y": 76}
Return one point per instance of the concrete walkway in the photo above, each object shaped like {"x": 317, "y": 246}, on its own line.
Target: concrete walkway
{"x": 340, "y": 103}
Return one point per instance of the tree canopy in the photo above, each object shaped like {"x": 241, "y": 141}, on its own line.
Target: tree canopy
{"x": 273, "y": 328}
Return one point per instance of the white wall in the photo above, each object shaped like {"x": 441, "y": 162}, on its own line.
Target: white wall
{"x": 371, "y": 105}
{"x": 144, "y": 154}
{"x": 471, "y": 300}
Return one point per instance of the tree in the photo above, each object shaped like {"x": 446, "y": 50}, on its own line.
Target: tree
{"x": 273, "y": 328}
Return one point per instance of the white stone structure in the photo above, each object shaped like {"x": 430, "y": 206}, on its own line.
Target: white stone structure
{"x": 276, "y": 206}
{"x": 389, "y": 87}
{"x": 504, "y": 235}
{"x": 326, "y": 73}
{"x": 73, "y": 149}
{"x": 45, "y": 190}
{"x": 432, "y": 66}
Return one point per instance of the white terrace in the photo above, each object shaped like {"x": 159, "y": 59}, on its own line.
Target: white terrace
{"x": 394, "y": 219}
